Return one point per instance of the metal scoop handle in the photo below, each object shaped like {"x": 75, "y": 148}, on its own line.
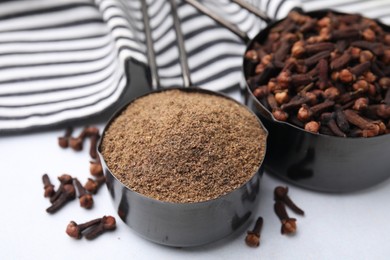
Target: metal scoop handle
{"x": 180, "y": 39}
{"x": 230, "y": 26}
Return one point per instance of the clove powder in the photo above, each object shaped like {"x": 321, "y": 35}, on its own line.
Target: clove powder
{"x": 180, "y": 146}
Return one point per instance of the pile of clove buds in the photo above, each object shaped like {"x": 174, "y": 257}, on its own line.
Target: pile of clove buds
{"x": 70, "y": 187}
{"x": 329, "y": 75}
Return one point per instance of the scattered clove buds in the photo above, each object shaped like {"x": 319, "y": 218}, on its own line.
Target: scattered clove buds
{"x": 69, "y": 185}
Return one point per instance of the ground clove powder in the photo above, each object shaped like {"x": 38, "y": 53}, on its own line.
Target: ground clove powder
{"x": 181, "y": 146}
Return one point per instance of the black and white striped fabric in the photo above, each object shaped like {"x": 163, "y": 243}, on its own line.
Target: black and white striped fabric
{"x": 64, "y": 60}
{"x": 61, "y": 60}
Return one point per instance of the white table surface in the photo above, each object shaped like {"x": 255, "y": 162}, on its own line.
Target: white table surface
{"x": 336, "y": 226}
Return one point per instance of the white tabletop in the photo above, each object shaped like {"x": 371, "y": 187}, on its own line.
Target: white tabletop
{"x": 336, "y": 226}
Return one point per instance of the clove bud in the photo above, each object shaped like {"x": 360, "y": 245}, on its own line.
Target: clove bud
{"x": 49, "y": 188}
{"x": 68, "y": 193}
{"x": 289, "y": 225}
{"x": 74, "y": 230}
{"x": 85, "y": 199}
{"x": 281, "y": 194}
{"x": 252, "y": 238}
{"x": 107, "y": 223}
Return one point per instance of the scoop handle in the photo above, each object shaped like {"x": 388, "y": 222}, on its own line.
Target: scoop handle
{"x": 155, "y": 79}
{"x": 181, "y": 46}
{"x": 230, "y": 26}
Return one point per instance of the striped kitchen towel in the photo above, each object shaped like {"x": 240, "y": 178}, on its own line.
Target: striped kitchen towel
{"x": 64, "y": 60}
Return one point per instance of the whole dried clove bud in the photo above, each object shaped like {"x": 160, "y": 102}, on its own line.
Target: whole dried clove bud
{"x": 355, "y": 52}
{"x": 281, "y": 194}
{"x": 108, "y": 223}
{"x": 76, "y": 143}
{"x": 361, "y": 85}
{"x": 374, "y": 47}
{"x": 305, "y": 113}
{"x": 361, "y": 68}
{"x": 369, "y": 35}
{"x": 346, "y": 76}
{"x": 74, "y": 230}
{"x": 368, "y": 129}
{"x": 280, "y": 115}
{"x": 316, "y": 58}
{"x": 272, "y": 85}
{"x": 360, "y": 104}
{"x": 251, "y": 55}
{"x": 68, "y": 194}
{"x": 85, "y": 199}
{"x": 312, "y": 126}
{"x": 331, "y": 93}
{"x": 92, "y": 185}
{"x": 308, "y": 25}
{"x": 341, "y": 121}
{"x": 386, "y": 100}
{"x": 289, "y": 225}
{"x": 95, "y": 168}
{"x": 381, "y": 110}
{"x": 261, "y": 91}
{"x": 48, "y": 186}
{"x": 387, "y": 39}
{"x": 63, "y": 141}
{"x": 282, "y": 51}
{"x": 282, "y": 97}
{"x": 93, "y": 148}
{"x": 295, "y": 103}
{"x": 347, "y": 33}
{"x": 64, "y": 179}
{"x": 298, "y": 49}
{"x": 298, "y": 18}
{"x": 366, "y": 56}
{"x": 253, "y": 237}
{"x": 341, "y": 61}
{"x": 386, "y": 57}
{"x": 384, "y": 83}
{"x": 323, "y": 74}
{"x": 284, "y": 79}
{"x": 319, "y": 47}
{"x": 328, "y": 120}
{"x": 369, "y": 77}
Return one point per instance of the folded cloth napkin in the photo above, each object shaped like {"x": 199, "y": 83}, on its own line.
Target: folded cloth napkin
{"x": 64, "y": 60}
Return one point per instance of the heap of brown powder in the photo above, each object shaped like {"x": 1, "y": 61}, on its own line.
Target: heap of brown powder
{"x": 180, "y": 146}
